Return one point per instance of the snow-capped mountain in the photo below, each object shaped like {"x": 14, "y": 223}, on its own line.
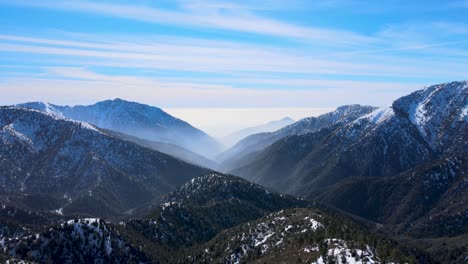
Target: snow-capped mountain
{"x": 79, "y": 167}
{"x": 272, "y": 126}
{"x": 140, "y": 120}
{"x": 384, "y": 142}
{"x": 351, "y": 165}
{"x": 245, "y": 149}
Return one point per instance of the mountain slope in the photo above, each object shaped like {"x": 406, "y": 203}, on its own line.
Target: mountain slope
{"x": 429, "y": 200}
{"x": 240, "y": 153}
{"x": 272, "y": 126}
{"x": 78, "y": 167}
{"x": 138, "y": 120}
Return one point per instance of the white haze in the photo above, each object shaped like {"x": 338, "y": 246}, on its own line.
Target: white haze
{"x": 219, "y": 122}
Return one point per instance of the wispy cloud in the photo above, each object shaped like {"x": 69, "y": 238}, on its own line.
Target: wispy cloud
{"x": 195, "y": 15}
{"x": 215, "y": 57}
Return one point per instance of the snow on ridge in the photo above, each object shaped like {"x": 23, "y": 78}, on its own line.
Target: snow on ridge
{"x": 340, "y": 248}
{"x": 429, "y": 108}
{"x": 84, "y": 221}
{"x": 377, "y": 116}
{"x": 270, "y": 233}
{"x": 169, "y": 204}
{"x": 22, "y": 137}
{"x": 57, "y": 117}
{"x": 418, "y": 112}
{"x": 464, "y": 113}
{"x": 48, "y": 108}
{"x": 87, "y": 126}
{"x": 315, "y": 224}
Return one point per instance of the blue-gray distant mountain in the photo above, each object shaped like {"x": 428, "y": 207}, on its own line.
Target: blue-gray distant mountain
{"x": 140, "y": 120}
{"x": 233, "y": 138}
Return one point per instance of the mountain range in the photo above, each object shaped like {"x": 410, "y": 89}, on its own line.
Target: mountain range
{"x": 252, "y": 144}
{"x": 122, "y": 182}
{"x": 139, "y": 120}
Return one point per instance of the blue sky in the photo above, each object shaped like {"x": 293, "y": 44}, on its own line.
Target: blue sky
{"x": 229, "y": 54}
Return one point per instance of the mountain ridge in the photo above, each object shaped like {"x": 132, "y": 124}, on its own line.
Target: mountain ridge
{"x": 136, "y": 119}
{"x": 259, "y": 142}
{"x": 80, "y": 166}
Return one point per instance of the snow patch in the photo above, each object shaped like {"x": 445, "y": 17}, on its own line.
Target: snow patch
{"x": 378, "y": 116}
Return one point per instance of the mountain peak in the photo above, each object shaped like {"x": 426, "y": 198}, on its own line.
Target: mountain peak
{"x": 214, "y": 188}
{"x": 125, "y": 102}
{"x": 287, "y": 119}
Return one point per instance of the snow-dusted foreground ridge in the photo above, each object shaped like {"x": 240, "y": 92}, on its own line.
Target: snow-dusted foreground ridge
{"x": 214, "y": 218}
{"x": 300, "y": 235}
{"x": 88, "y": 240}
